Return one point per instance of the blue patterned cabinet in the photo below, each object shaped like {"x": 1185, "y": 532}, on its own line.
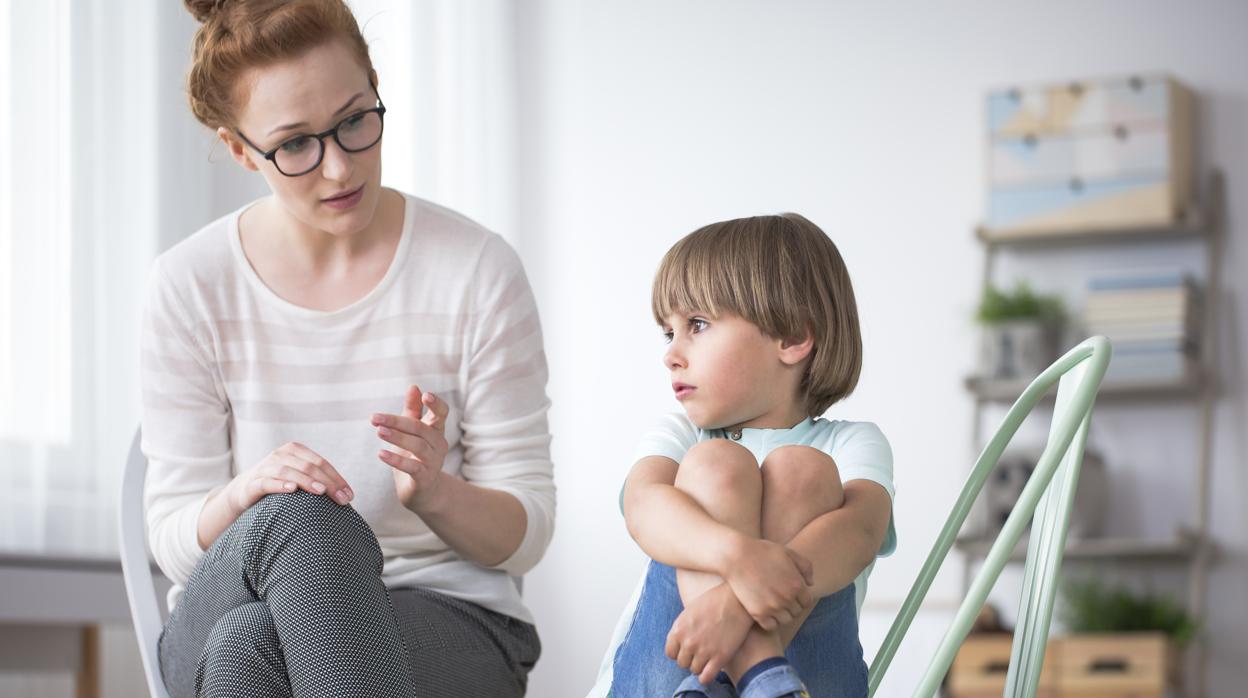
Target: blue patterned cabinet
{"x": 1089, "y": 155}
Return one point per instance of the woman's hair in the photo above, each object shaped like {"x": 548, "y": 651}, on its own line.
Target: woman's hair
{"x": 784, "y": 275}
{"x": 239, "y": 35}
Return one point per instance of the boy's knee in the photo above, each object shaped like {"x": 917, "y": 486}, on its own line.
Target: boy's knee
{"x": 802, "y": 470}
{"x": 719, "y": 464}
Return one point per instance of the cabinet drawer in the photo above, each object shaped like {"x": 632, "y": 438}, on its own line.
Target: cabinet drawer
{"x": 1101, "y": 154}
{"x": 1019, "y": 112}
{"x": 1145, "y": 199}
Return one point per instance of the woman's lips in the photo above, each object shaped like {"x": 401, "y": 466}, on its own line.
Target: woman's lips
{"x": 347, "y": 200}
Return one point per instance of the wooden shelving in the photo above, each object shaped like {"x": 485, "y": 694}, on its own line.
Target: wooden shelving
{"x": 1184, "y": 546}
{"x": 1193, "y": 546}
{"x": 1007, "y": 391}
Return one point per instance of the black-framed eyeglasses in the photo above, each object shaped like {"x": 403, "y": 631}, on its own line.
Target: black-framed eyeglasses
{"x": 301, "y": 154}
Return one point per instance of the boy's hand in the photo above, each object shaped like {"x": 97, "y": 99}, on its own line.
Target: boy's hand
{"x": 709, "y": 632}
{"x": 772, "y": 582}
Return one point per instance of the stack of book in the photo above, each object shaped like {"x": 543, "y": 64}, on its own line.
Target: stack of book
{"x": 1152, "y": 320}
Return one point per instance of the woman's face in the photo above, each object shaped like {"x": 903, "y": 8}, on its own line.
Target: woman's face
{"x": 307, "y": 95}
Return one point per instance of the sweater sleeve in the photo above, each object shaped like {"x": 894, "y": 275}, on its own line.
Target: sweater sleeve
{"x": 506, "y": 438}
{"x": 185, "y": 428}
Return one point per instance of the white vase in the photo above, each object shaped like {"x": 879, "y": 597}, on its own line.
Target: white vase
{"x": 1017, "y": 349}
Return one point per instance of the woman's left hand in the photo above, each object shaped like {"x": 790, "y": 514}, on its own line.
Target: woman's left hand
{"x": 422, "y": 447}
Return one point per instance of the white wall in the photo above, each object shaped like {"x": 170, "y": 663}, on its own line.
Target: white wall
{"x": 640, "y": 121}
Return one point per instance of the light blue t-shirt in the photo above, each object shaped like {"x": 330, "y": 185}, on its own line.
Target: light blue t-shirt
{"x": 859, "y": 450}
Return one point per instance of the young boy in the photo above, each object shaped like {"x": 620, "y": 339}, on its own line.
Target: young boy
{"x": 762, "y": 519}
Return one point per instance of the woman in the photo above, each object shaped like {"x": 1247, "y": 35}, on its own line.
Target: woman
{"x": 344, "y": 400}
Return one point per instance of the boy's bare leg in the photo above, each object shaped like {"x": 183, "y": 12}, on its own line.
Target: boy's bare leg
{"x": 799, "y": 484}
{"x": 724, "y": 479}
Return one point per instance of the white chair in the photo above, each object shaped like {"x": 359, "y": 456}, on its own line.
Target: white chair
{"x": 135, "y": 566}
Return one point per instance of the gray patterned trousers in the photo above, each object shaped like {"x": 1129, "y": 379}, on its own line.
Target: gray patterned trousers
{"x": 288, "y": 601}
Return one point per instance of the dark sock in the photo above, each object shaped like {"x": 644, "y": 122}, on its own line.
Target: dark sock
{"x": 723, "y": 678}
{"x": 757, "y": 669}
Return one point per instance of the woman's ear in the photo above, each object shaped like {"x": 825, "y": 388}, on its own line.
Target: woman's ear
{"x": 795, "y": 350}
{"x": 237, "y": 148}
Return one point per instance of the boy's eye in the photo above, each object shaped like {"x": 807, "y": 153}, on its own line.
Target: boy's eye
{"x": 697, "y": 324}
{"x": 667, "y": 336}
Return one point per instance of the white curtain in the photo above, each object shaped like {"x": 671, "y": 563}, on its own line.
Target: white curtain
{"x": 77, "y": 231}
{"x": 447, "y": 75}
{"x": 102, "y": 166}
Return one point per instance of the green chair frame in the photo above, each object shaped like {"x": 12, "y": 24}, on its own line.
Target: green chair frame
{"x": 1046, "y": 499}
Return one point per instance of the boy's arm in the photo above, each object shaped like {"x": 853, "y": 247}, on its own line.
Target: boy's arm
{"x": 772, "y": 581}
{"x": 662, "y": 519}
{"x": 842, "y": 542}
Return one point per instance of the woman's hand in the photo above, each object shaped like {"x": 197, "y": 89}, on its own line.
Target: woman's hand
{"x": 707, "y": 634}
{"x": 772, "y": 582}
{"x": 289, "y": 467}
{"x": 417, "y": 466}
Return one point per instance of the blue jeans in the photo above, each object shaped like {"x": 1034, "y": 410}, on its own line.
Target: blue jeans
{"x": 826, "y": 651}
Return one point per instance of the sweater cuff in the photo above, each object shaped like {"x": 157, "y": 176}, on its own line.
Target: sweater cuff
{"x": 537, "y": 535}
{"x": 186, "y": 552}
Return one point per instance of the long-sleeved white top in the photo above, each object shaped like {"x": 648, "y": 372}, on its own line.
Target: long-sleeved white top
{"x": 231, "y": 371}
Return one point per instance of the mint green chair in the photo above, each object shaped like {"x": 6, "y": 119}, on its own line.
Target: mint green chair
{"x": 1047, "y": 496}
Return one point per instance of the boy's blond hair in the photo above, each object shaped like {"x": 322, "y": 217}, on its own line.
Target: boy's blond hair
{"x": 784, "y": 275}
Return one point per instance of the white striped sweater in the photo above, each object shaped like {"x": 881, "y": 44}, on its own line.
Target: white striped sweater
{"x": 231, "y": 371}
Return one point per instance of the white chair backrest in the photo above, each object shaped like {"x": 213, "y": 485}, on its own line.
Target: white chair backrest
{"x": 140, "y": 589}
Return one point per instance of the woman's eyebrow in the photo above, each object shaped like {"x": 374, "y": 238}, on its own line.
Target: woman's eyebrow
{"x": 302, "y": 124}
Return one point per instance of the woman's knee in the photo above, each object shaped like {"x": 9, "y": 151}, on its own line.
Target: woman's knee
{"x": 315, "y": 524}
{"x": 798, "y": 473}
{"x": 244, "y": 635}
{"x": 309, "y": 512}
{"x": 719, "y": 466}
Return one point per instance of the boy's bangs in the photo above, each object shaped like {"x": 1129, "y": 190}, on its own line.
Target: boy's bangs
{"x": 686, "y": 283}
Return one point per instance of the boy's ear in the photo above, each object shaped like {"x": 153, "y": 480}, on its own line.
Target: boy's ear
{"x": 795, "y": 350}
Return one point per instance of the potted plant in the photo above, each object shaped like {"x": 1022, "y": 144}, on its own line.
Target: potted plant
{"x": 1019, "y": 332}
{"x": 1120, "y": 643}
{"x": 1092, "y": 607}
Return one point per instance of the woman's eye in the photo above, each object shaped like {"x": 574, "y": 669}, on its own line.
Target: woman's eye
{"x": 352, "y": 122}
{"x": 295, "y": 146}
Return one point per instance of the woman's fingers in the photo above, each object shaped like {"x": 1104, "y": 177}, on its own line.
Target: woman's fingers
{"x": 411, "y": 466}
{"x": 436, "y": 413}
{"x": 292, "y": 473}
{"x": 261, "y": 486}
{"x": 411, "y": 402}
{"x": 312, "y": 463}
{"x": 410, "y": 434}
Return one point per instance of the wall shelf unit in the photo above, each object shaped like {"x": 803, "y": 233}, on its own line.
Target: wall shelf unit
{"x": 1192, "y": 545}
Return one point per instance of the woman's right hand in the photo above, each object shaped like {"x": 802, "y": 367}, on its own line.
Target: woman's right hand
{"x": 771, "y": 581}
{"x": 289, "y": 467}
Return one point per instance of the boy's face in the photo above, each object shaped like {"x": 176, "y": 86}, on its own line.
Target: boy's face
{"x": 727, "y": 373}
